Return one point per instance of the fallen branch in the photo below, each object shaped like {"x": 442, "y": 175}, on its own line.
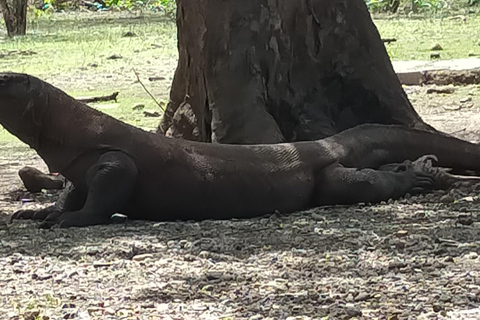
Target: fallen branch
{"x": 111, "y": 97}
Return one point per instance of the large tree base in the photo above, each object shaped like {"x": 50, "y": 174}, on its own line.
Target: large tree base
{"x": 261, "y": 71}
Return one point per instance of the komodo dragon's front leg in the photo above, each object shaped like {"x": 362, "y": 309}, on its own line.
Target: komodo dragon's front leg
{"x": 110, "y": 183}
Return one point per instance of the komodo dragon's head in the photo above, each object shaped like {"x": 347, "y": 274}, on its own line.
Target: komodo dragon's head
{"x": 22, "y": 106}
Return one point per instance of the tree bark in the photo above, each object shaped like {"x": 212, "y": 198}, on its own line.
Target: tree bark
{"x": 15, "y": 16}
{"x": 268, "y": 71}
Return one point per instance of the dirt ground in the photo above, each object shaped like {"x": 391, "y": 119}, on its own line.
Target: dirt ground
{"x": 408, "y": 259}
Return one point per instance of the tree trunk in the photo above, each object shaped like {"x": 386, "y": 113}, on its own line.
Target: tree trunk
{"x": 268, "y": 71}
{"x": 15, "y": 16}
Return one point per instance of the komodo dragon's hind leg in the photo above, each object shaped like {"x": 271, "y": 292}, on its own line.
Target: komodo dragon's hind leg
{"x": 110, "y": 181}
{"x": 339, "y": 185}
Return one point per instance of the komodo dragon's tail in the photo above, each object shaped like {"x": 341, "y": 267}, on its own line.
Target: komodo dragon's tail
{"x": 372, "y": 145}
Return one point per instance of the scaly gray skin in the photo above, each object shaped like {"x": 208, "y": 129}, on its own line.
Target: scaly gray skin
{"x": 115, "y": 167}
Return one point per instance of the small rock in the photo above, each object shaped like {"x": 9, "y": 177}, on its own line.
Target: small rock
{"x": 101, "y": 264}
{"x": 472, "y": 255}
{"x": 449, "y": 259}
{"x": 317, "y": 217}
{"x": 362, "y": 297}
{"x": 72, "y": 274}
{"x": 352, "y": 312}
{"x": 204, "y": 254}
{"x": 138, "y": 106}
{"x": 214, "y": 275}
{"x": 467, "y": 99}
{"x": 402, "y": 233}
{"x": 114, "y": 57}
{"x": 31, "y": 314}
{"x": 41, "y": 276}
{"x": 447, "y": 199}
{"x": 154, "y": 114}
{"x": 297, "y": 309}
{"x": 465, "y": 220}
{"x": 129, "y": 34}
{"x": 440, "y": 251}
{"x": 435, "y": 56}
{"x": 142, "y": 257}
{"x": 208, "y": 288}
{"x": 199, "y": 307}
{"x": 466, "y": 199}
{"x": 109, "y": 311}
{"x": 437, "y": 308}
{"x": 436, "y": 47}
{"x": 420, "y": 214}
{"x": 446, "y": 90}
{"x": 91, "y": 310}
{"x": 400, "y": 244}
{"x": 397, "y": 265}
{"x": 452, "y": 108}
{"x": 93, "y": 250}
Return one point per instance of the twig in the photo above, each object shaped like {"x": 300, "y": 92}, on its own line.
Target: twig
{"x": 388, "y": 41}
{"x": 458, "y": 131}
{"x": 146, "y": 90}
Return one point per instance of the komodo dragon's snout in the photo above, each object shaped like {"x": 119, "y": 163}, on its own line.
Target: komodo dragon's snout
{"x": 21, "y": 106}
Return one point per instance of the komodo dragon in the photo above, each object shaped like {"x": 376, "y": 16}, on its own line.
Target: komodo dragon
{"x": 118, "y": 168}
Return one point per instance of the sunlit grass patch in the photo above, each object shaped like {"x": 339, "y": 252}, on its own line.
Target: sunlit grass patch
{"x": 94, "y": 54}
{"x": 459, "y": 38}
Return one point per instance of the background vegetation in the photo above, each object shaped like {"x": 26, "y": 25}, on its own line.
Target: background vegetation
{"x": 167, "y": 7}
{"x": 420, "y": 6}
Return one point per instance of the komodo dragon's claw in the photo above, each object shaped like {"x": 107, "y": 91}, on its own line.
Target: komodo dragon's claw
{"x": 442, "y": 179}
{"x": 32, "y": 214}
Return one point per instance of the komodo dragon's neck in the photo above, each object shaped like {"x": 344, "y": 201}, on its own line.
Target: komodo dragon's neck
{"x": 78, "y": 129}
{"x": 60, "y": 128}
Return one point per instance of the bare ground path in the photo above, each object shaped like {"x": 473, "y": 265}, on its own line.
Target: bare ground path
{"x": 410, "y": 259}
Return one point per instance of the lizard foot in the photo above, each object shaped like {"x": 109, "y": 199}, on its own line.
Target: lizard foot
{"x": 73, "y": 219}
{"x": 32, "y": 214}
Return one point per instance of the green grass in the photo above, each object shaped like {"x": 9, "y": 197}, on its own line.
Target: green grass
{"x": 71, "y": 51}
{"x": 415, "y": 37}
{"x": 66, "y": 42}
